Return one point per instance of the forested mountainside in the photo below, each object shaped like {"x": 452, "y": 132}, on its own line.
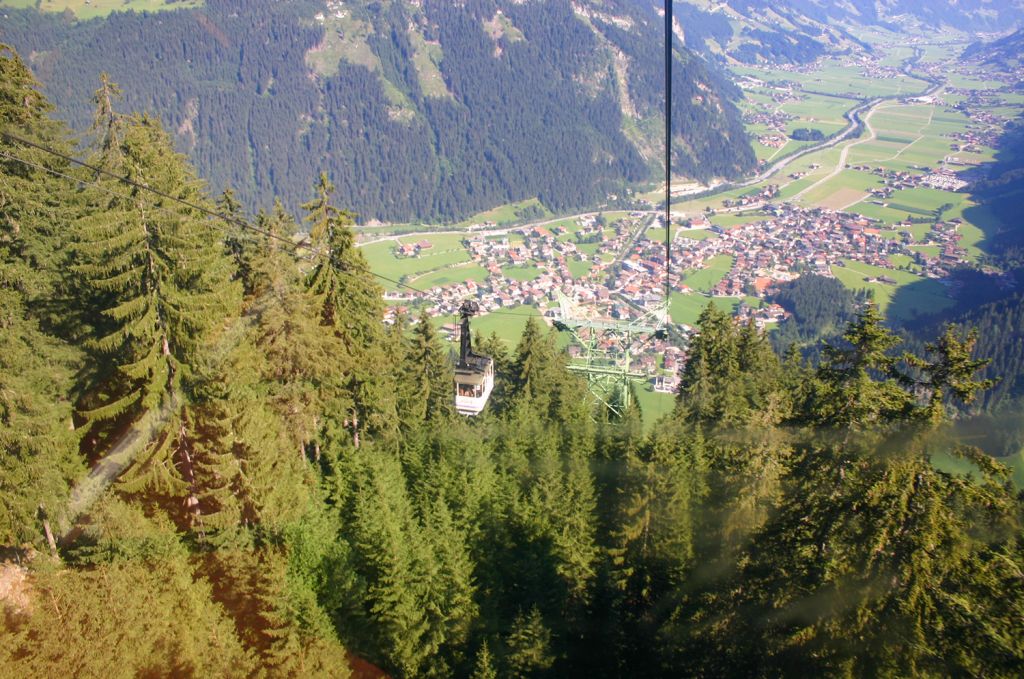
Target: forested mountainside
{"x": 1005, "y": 52}
{"x": 431, "y": 110}
{"x": 758, "y": 32}
{"x": 301, "y": 495}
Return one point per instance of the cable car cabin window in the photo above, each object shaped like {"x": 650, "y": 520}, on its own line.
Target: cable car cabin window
{"x": 474, "y": 380}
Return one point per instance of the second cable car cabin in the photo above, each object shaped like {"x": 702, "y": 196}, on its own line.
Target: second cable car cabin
{"x": 474, "y": 374}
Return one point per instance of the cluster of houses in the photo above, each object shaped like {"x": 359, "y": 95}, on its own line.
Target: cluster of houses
{"x": 793, "y": 240}
{"x": 626, "y": 275}
{"x": 872, "y": 69}
{"x": 413, "y": 249}
{"x": 550, "y": 249}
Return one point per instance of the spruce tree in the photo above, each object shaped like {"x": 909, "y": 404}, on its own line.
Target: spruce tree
{"x": 483, "y": 668}
{"x": 529, "y": 645}
{"x": 853, "y": 388}
{"x": 431, "y": 372}
{"x": 40, "y": 457}
{"x": 351, "y": 305}
{"x": 874, "y": 560}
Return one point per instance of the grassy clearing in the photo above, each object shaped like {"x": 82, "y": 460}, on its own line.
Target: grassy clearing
{"x": 926, "y": 250}
{"x": 657, "y": 234}
{"x": 910, "y": 297}
{"x": 853, "y": 273}
{"x": 653, "y": 404}
{"x": 957, "y": 465}
{"x": 708, "y": 277}
{"x": 577, "y": 268}
{"x": 382, "y": 260}
{"x": 504, "y": 214}
{"x": 507, "y": 325}
{"x": 451, "y": 276}
{"x": 901, "y": 260}
{"x": 570, "y": 224}
{"x": 615, "y": 215}
{"x": 728, "y": 219}
{"x": 99, "y": 8}
{"x": 521, "y": 273}
{"x": 687, "y": 308}
{"x": 695, "y": 234}
{"x": 345, "y": 39}
{"x": 426, "y": 57}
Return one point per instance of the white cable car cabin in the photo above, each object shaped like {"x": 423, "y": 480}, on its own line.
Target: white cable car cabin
{"x": 474, "y": 374}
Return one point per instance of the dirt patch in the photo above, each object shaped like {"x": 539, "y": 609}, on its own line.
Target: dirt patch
{"x": 15, "y": 589}
{"x": 841, "y": 198}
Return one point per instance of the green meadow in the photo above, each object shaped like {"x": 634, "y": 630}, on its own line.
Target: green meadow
{"x": 447, "y": 251}
{"x": 686, "y": 308}
{"x": 451, "y": 276}
{"x": 653, "y": 404}
{"x": 521, "y": 273}
{"x": 707, "y": 278}
{"x": 911, "y": 296}
{"x": 505, "y": 214}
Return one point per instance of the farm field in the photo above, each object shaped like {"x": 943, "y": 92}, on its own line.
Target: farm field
{"x": 917, "y": 202}
{"x": 845, "y": 189}
{"x": 816, "y": 109}
{"x": 84, "y": 9}
{"x": 811, "y": 111}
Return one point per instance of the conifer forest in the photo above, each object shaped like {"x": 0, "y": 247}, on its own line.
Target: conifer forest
{"x": 303, "y": 500}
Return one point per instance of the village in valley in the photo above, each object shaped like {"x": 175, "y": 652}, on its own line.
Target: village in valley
{"x": 886, "y": 211}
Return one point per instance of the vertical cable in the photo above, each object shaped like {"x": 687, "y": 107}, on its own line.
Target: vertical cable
{"x": 668, "y": 150}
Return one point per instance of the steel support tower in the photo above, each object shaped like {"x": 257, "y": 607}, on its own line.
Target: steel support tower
{"x": 607, "y": 350}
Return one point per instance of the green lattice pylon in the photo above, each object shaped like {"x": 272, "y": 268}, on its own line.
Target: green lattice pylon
{"x": 607, "y": 350}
